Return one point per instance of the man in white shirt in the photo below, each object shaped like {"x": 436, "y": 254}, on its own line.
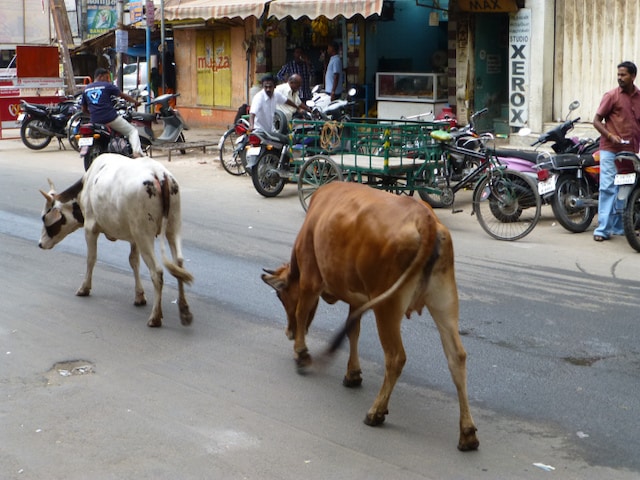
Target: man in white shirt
{"x": 291, "y": 90}
{"x": 264, "y": 103}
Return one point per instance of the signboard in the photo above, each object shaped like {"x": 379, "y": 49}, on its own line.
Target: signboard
{"x": 519, "y": 67}
{"x": 488, "y": 6}
{"x": 101, "y": 16}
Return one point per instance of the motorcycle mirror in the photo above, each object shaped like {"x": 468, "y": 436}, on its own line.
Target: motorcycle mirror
{"x": 351, "y": 92}
{"x": 574, "y": 105}
{"x": 315, "y": 89}
{"x": 524, "y": 131}
{"x": 309, "y": 103}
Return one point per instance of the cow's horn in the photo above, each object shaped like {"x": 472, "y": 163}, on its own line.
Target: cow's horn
{"x": 47, "y": 196}
{"x": 270, "y": 272}
{"x": 51, "y": 184}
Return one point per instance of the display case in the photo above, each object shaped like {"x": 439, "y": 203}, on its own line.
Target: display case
{"x": 407, "y": 94}
{"x": 411, "y": 87}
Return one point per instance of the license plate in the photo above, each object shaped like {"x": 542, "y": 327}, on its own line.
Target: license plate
{"x": 85, "y": 141}
{"x": 548, "y": 185}
{"x": 253, "y": 152}
{"x": 20, "y": 118}
{"x": 625, "y": 179}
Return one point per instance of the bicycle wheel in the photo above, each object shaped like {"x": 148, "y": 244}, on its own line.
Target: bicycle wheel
{"x": 507, "y": 205}
{"x": 230, "y": 154}
{"x": 315, "y": 172}
{"x": 631, "y": 219}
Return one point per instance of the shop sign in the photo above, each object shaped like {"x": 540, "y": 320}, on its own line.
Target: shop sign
{"x": 101, "y": 16}
{"x": 488, "y": 6}
{"x": 519, "y": 67}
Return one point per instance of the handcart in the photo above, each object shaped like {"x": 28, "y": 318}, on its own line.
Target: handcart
{"x": 404, "y": 157}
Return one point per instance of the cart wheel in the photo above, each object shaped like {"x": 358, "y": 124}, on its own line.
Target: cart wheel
{"x": 315, "y": 172}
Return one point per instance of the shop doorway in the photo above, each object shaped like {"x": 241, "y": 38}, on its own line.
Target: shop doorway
{"x": 491, "y": 83}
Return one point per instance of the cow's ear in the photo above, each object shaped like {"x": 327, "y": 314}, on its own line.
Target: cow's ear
{"x": 274, "y": 281}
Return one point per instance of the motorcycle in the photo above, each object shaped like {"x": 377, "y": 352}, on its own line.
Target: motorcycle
{"x": 269, "y": 156}
{"x": 628, "y": 181}
{"x": 569, "y": 178}
{"x": 96, "y": 138}
{"x": 41, "y": 123}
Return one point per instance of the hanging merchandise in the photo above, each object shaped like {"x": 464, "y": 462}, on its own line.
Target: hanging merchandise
{"x": 320, "y": 31}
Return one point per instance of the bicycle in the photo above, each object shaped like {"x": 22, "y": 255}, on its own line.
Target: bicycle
{"x": 232, "y": 147}
{"x": 505, "y": 202}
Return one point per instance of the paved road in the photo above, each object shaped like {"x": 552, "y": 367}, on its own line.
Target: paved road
{"x": 549, "y": 323}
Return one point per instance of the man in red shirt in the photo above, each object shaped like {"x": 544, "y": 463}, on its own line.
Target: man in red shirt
{"x": 618, "y": 121}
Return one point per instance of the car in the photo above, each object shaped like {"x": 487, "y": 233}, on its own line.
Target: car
{"x": 134, "y": 76}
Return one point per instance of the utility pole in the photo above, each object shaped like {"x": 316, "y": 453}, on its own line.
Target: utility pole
{"x": 63, "y": 32}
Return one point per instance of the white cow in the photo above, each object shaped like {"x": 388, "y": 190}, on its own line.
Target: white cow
{"x": 132, "y": 200}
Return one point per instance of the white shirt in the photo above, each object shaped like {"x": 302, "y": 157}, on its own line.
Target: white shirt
{"x": 285, "y": 89}
{"x": 264, "y": 108}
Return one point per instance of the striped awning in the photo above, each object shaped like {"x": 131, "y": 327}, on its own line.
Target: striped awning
{"x": 207, "y": 9}
{"x": 328, "y": 8}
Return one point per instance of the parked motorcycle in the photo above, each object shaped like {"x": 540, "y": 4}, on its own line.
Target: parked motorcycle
{"x": 269, "y": 157}
{"x": 41, "y": 123}
{"x": 569, "y": 178}
{"x": 628, "y": 181}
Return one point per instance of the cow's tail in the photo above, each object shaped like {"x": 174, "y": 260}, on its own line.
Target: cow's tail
{"x": 174, "y": 269}
{"x": 412, "y": 270}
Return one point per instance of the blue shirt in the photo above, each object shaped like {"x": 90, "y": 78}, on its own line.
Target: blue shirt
{"x": 97, "y": 98}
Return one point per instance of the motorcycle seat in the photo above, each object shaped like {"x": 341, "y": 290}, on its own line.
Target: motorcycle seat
{"x": 276, "y": 137}
{"x": 143, "y": 117}
{"x": 524, "y": 155}
{"x": 571, "y": 160}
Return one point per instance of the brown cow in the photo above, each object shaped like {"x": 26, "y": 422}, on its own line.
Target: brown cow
{"x": 374, "y": 250}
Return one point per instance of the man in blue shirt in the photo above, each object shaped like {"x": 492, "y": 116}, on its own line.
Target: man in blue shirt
{"x": 333, "y": 77}
{"x": 96, "y": 100}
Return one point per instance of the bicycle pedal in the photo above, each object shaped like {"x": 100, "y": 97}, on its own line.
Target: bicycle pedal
{"x": 456, "y": 211}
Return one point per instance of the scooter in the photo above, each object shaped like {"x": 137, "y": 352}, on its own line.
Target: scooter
{"x": 628, "y": 181}
{"x": 41, "y": 123}
{"x": 174, "y": 125}
{"x": 323, "y": 108}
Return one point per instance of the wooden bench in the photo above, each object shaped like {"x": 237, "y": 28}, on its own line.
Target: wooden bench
{"x": 169, "y": 147}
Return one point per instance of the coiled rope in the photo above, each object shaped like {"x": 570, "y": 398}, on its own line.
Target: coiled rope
{"x": 330, "y": 135}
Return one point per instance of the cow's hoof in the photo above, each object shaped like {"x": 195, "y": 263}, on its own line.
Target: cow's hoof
{"x": 186, "y": 318}
{"x": 353, "y": 379}
{"x": 154, "y": 323}
{"x": 83, "y": 292}
{"x": 468, "y": 440}
{"x": 140, "y": 301}
{"x": 374, "y": 420}
{"x": 303, "y": 361}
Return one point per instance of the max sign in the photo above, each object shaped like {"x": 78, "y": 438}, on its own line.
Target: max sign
{"x": 519, "y": 62}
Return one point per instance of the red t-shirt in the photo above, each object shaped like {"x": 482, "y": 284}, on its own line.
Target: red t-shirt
{"x": 621, "y": 113}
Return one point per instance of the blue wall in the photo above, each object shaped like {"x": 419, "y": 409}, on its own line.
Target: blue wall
{"x": 407, "y": 37}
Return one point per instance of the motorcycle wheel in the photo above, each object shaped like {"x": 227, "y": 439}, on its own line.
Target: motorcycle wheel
{"x": 31, "y": 137}
{"x": 77, "y": 119}
{"x": 631, "y": 219}
{"x": 266, "y": 179}
{"x": 230, "y": 159}
{"x": 507, "y": 205}
{"x": 90, "y": 156}
{"x": 315, "y": 172}
{"x": 574, "y": 219}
